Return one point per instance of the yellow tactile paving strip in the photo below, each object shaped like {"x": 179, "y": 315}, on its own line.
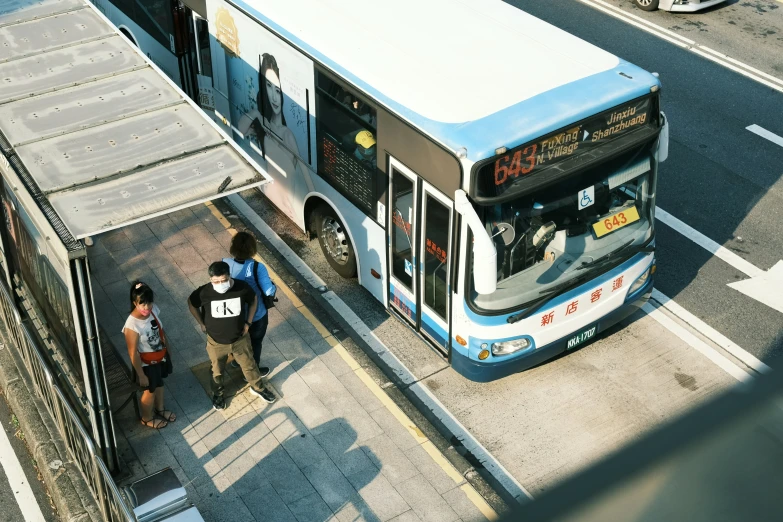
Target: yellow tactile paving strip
{"x": 395, "y": 410}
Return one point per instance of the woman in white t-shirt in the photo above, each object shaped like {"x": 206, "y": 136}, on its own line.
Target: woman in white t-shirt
{"x": 148, "y": 354}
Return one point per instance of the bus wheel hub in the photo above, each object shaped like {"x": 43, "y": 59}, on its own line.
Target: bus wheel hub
{"x": 334, "y": 240}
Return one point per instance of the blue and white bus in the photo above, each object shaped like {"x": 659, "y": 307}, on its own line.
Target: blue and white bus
{"x": 488, "y": 177}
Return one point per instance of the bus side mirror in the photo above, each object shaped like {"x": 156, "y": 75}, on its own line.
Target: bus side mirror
{"x": 485, "y": 269}
{"x": 663, "y": 140}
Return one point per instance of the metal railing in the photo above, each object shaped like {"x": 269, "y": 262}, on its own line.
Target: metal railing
{"x": 81, "y": 448}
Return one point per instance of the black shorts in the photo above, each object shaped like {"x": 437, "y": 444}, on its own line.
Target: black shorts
{"x": 157, "y": 372}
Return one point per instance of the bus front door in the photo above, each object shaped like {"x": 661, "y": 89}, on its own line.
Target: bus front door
{"x": 420, "y": 228}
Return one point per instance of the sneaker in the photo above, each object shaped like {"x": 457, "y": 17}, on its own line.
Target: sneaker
{"x": 265, "y": 394}
{"x": 218, "y": 402}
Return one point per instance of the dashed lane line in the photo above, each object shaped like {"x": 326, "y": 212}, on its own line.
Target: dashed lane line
{"x": 421, "y": 439}
{"x": 764, "y": 133}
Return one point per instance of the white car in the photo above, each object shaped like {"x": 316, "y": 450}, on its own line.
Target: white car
{"x": 678, "y": 6}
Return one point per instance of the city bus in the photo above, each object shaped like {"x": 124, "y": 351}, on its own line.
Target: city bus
{"x": 487, "y": 177}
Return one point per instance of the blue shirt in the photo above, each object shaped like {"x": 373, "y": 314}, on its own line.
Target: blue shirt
{"x": 244, "y": 272}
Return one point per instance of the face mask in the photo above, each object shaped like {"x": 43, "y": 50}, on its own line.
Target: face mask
{"x": 143, "y": 312}
{"x": 221, "y": 288}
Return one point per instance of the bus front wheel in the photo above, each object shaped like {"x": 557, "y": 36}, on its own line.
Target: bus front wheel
{"x": 647, "y": 5}
{"x": 334, "y": 241}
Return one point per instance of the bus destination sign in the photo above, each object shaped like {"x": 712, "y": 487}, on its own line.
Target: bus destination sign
{"x": 498, "y": 176}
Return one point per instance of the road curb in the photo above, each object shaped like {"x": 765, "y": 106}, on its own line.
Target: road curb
{"x": 409, "y": 385}
{"x": 44, "y": 442}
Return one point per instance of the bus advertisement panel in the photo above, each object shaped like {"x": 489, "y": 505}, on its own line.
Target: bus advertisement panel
{"x": 270, "y": 90}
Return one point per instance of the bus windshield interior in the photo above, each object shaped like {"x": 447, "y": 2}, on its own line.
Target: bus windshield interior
{"x": 578, "y": 227}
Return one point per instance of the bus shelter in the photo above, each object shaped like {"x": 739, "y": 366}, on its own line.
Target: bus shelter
{"x": 93, "y": 137}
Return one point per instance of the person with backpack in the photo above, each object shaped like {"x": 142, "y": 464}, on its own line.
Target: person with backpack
{"x": 244, "y": 268}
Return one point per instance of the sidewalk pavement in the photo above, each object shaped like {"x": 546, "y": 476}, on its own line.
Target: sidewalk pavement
{"x": 333, "y": 447}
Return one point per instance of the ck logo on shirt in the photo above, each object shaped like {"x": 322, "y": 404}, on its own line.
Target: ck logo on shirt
{"x": 227, "y": 308}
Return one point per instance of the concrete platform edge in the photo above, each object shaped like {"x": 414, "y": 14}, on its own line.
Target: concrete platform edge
{"x": 44, "y": 444}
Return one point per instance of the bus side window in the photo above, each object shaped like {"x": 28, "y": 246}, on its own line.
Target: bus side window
{"x": 347, "y": 151}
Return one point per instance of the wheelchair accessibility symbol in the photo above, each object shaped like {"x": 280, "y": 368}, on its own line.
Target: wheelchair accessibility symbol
{"x": 586, "y": 198}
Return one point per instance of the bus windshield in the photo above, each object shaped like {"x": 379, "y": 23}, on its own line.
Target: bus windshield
{"x": 574, "y": 229}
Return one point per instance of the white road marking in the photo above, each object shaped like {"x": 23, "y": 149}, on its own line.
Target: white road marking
{"x": 685, "y": 43}
{"x": 18, "y": 481}
{"x": 764, "y": 133}
{"x": 694, "y": 342}
{"x": 710, "y": 333}
{"x": 766, "y": 289}
{"x": 708, "y": 244}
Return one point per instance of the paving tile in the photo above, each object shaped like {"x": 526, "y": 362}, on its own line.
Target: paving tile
{"x": 153, "y": 453}
{"x": 155, "y": 254}
{"x": 105, "y": 269}
{"x": 393, "y": 429}
{"x": 265, "y": 504}
{"x": 201, "y": 238}
{"x": 304, "y": 328}
{"x": 351, "y": 413}
{"x": 379, "y": 494}
{"x": 361, "y": 392}
{"x": 213, "y": 254}
{"x": 125, "y": 255}
{"x": 242, "y": 472}
{"x": 295, "y": 438}
{"x": 287, "y": 479}
{"x": 334, "y": 362}
{"x": 187, "y": 258}
{"x": 113, "y": 240}
{"x": 322, "y": 382}
{"x": 330, "y": 483}
{"x": 285, "y": 380}
{"x": 341, "y": 447}
{"x": 408, "y": 516}
{"x": 176, "y": 283}
{"x": 389, "y": 459}
{"x": 225, "y": 508}
{"x": 295, "y": 349}
{"x": 183, "y": 218}
{"x": 224, "y": 238}
{"x": 199, "y": 277}
{"x": 461, "y": 504}
{"x": 425, "y": 501}
{"x": 193, "y": 459}
{"x": 309, "y": 410}
{"x": 311, "y": 508}
{"x": 137, "y": 232}
{"x": 356, "y": 510}
{"x": 167, "y": 232}
{"x": 434, "y": 474}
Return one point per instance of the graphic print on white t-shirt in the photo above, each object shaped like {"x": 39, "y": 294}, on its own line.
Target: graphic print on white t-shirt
{"x": 226, "y": 308}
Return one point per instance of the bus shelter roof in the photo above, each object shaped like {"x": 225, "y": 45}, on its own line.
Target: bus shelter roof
{"x": 98, "y": 135}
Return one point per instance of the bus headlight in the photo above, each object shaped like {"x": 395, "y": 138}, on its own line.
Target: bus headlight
{"x": 509, "y": 347}
{"x": 640, "y": 281}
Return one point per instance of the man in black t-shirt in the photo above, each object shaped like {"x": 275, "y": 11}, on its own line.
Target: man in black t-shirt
{"x": 228, "y": 308}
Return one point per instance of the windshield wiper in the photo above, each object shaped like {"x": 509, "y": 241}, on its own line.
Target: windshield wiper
{"x": 615, "y": 253}
{"x": 552, "y": 292}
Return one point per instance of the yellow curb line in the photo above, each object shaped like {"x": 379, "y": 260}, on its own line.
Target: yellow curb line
{"x": 382, "y": 396}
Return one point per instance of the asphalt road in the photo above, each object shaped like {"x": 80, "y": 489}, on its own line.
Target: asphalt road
{"x": 720, "y": 179}
{"x": 10, "y": 509}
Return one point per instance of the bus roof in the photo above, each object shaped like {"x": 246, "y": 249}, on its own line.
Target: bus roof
{"x": 93, "y": 132}
{"x": 478, "y": 74}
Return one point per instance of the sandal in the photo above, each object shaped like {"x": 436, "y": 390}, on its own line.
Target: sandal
{"x": 167, "y": 415}
{"x": 157, "y": 424}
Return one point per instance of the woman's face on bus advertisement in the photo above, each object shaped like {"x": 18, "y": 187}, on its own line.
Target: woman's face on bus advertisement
{"x": 273, "y": 92}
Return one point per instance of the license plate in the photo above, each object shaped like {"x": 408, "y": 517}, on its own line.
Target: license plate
{"x": 615, "y": 221}
{"x": 580, "y": 338}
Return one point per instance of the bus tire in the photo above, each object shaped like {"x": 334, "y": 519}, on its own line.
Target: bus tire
{"x": 647, "y": 5}
{"x": 335, "y": 243}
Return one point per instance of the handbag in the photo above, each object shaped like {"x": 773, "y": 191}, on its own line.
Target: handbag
{"x": 269, "y": 300}
{"x": 156, "y": 357}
